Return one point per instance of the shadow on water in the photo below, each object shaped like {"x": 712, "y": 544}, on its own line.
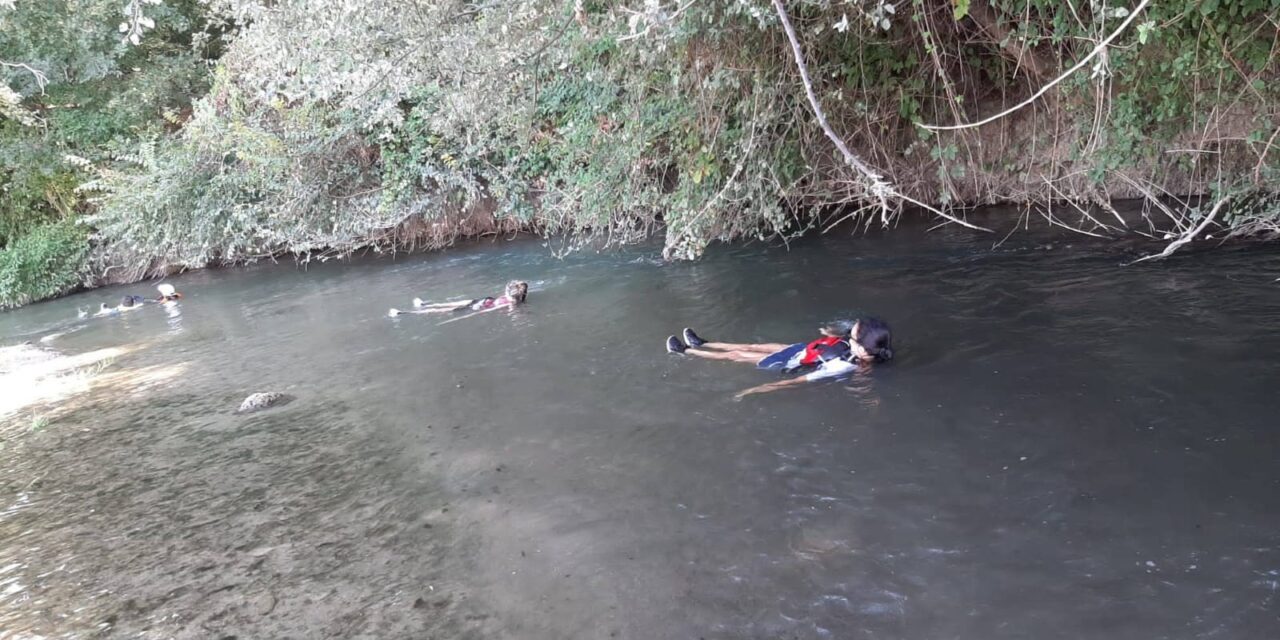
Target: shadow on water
{"x": 1062, "y": 449}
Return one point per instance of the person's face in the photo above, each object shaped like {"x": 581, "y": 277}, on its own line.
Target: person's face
{"x": 859, "y": 351}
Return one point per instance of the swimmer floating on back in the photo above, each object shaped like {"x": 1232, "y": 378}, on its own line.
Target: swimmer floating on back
{"x": 837, "y": 353}
{"x": 167, "y": 294}
{"x": 129, "y": 303}
{"x": 514, "y": 295}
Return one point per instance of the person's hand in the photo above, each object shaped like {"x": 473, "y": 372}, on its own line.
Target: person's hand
{"x": 747, "y": 392}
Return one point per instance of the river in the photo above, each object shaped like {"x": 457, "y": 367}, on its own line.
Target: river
{"x": 1064, "y": 447}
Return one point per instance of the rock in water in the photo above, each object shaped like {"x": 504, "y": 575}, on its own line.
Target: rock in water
{"x": 260, "y": 401}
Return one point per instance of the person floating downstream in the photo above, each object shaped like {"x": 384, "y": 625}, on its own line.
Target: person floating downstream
{"x": 514, "y": 295}
{"x": 129, "y": 303}
{"x": 167, "y": 293}
{"x": 837, "y": 353}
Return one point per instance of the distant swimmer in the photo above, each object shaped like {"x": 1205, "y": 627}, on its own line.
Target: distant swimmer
{"x": 130, "y": 303}
{"x": 839, "y": 352}
{"x": 514, "y": 295}
{"x": 167, "y": 293}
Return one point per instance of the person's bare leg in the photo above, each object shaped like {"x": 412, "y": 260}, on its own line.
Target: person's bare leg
{"x": 731, "y": 356}
{"x": 752, "y": 348}
{"x": 434, "y": 310}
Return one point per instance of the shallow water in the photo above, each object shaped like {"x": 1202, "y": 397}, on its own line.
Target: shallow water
{"x": 1063, "y": 448}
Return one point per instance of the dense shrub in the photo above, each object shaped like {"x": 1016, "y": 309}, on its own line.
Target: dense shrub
{"x": 329, "y": 126}
{"x": 79, "y": 91}
{"x": 45, "y": 262}
{"x": 611, "y": 120}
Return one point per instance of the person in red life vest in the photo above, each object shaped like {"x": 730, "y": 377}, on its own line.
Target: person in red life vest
{"x": 838, "y": 352}
{"x": 514, "y": 294}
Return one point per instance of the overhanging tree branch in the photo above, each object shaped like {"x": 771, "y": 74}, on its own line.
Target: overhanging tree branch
{"x": 1045, "y": 89}
{"x": 876, "y": 185}
{"x": 1190, "y": 235}
{"x": 40, "y": 78}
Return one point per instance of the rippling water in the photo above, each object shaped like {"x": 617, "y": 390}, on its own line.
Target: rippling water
{"x": 1064, "y": 448}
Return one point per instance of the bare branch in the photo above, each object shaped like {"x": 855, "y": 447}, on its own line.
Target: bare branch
{"x": 1022, "y": 55}
{"x": 1045, "y": 89}
{"x": 876, "y": 186}
{"x": 1188, "y": 236}
{"x": 41, "y": 79}
{"x": 1262, "y": 157}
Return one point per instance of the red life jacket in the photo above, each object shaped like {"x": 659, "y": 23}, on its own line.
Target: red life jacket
{"x": 814, "y": 351}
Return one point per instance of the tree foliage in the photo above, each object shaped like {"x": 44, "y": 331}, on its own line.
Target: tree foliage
{"x": 44, "y": 262}
{"x": 330, "y": 125}
{"x": 77, "y": 92}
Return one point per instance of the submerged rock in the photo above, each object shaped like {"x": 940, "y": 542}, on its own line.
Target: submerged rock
{"x": 260, "y": 401}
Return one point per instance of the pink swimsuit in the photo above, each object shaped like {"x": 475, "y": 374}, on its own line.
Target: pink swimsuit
{"x": 492, "y": 303}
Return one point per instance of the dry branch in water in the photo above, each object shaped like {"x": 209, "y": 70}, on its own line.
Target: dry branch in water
{"x": 1189, "y": 235}
{"x": 876, "y": 186}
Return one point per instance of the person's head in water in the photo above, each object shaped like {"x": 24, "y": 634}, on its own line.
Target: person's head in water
{"x": 127, "y": 302}
{"x": 517, "y": 290}
{"x": 872, "y": 340}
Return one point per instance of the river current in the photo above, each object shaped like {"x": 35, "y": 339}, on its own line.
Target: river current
{"x": 1064, "y": 447}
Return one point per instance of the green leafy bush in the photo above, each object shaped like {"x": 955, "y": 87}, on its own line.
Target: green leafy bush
{"x": 325, "y": 130}
{"x": 47, "y": 261}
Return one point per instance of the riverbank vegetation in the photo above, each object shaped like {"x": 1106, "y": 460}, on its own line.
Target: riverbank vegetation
{"x": 183, "y": 133}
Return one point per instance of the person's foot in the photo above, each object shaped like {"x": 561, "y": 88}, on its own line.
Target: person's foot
{"x": 674, "y": 345}
{"x": 692, "y": 338}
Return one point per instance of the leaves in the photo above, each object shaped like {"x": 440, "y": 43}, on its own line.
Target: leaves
{"x": 43, "y": 263}
{"x": 330, "y": 122}
{"x": 1145, "y": 30}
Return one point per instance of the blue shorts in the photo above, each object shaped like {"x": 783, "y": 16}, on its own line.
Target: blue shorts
{"x": 783, "y": 359}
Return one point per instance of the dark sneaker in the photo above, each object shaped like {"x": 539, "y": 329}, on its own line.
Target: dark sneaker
{"x": 692, "y": 338}
{"x": 674, "y": 345}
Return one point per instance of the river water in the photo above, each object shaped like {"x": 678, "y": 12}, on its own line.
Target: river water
{"x": 1063, "y": 448}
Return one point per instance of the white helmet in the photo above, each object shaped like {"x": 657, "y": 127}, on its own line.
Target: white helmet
{"x": 165, "y": 289}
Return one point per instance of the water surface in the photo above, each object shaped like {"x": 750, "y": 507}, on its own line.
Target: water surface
{"x": 1064, "y": 448}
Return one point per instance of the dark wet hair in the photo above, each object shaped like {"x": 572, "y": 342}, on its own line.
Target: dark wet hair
{"x": 875, "y": 336}
{"x": 127, "y": 301}
{"x": 521, "y": 290}
{"x": 838, "y": 329}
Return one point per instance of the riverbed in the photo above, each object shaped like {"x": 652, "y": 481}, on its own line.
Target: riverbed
{"x": 1064, "y": 447}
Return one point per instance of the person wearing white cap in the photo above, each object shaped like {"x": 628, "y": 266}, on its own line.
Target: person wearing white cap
{"x": 167, "y": 293}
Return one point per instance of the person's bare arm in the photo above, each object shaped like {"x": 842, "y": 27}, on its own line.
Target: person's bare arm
{"x": 772, "y": 386}
{"x": 476, "y": 313}
{"x": 444, "y": 306}
{"x": 734, "y": 346}
{"x": 424, "y": 310}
